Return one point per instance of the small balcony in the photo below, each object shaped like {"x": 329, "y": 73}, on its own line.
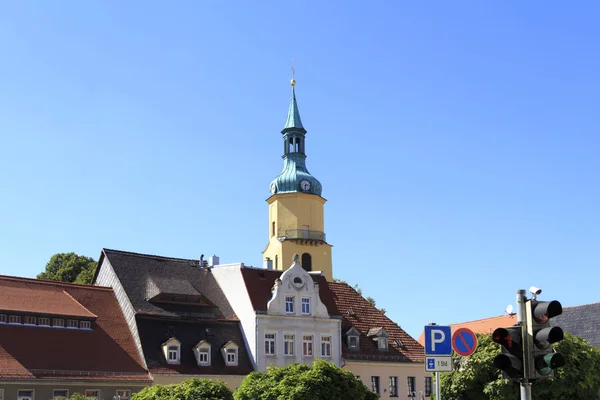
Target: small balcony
{"x": 305, "y": 234}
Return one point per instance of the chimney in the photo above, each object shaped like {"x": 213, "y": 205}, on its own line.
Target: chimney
{"x": 213, "y": 260}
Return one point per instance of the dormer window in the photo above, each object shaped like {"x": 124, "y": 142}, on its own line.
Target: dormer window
{"x": 85, "y": 325}
{"x": 30, "y": 320}
{"x": 58, "y": 322}
{"x": 230, "y": 354}
{"x": 289, "y": 305}
{"x": 352, "y": 339}
{"x": 44, "y": 321}
{"x": 202, "y": 352}
{"x": 72, "y": 323}
{"x": 379, "y": 336}
{"x": 14, "y": 319}
{"x": 3, "y": 318}
{"x": 172, "y": 351}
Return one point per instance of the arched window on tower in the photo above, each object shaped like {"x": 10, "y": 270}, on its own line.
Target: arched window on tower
{"x": 273, "y": 228}
{"x": 290, "y": 145}
{"x": 307, "y": 262}
{"x": 297, "y": 145}
{"x": 276, "y": 261}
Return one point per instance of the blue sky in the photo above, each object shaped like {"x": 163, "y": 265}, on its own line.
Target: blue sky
{"x": 457, "y": 142}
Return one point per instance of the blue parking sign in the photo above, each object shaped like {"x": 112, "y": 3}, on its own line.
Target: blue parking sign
{"x": 438, "y": 340}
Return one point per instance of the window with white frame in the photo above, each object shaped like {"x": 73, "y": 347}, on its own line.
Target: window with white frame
{"x": 204, "y": 356}
{"x": 382, "y": 343}
{"x": 44, "y": 321}
{"x": 325, "y": 346}
{"x": 124, "y": 394}
{"x": 85, "y": 324}
{"x": 375, "y": 384}
{"x": 288, "y": 345}
{"x": 307, "y": 345}
{"x": 93, "y": 393}
{"x": 393, "y": 386}
{"x": 58, "y": 322}
{"x": 3, "y": 318}
{"x": 60, "y": 393}
{"x": 289, "y": 304}
{"x": 269, "y": 344}
{"x": 173, "y": 354}
{"x": 72, "y": 323}
{"x": 231, "y": 356}
{"x": 410, "y": 383}
{"x": 25, "y": 394}
{"x": 306, "y": 306}
{"x": 30, "y": 320}
{"x": 428, "y": 386}
{"x": 353, "y": 342}
{"x": 14, "y": 319}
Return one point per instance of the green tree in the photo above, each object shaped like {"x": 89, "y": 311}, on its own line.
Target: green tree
{"x": 192, "y": 389}
{"x": 323, "y": 380}
{"x": 475, "y": 377}
{"x": 78, "y": 396}
{"x": 69, "y": 267}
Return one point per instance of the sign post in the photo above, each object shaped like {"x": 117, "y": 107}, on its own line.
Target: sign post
{"x": 438, "y": 352}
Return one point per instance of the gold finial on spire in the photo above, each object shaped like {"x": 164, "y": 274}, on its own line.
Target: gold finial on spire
{"x": 293, "y": 81}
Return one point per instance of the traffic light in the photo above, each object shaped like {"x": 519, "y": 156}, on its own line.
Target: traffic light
{"x": 542, "y": 335}
{"x": 510, "y": 361}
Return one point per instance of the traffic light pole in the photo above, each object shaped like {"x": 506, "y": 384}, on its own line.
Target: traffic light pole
{"x": 522, "y": 320}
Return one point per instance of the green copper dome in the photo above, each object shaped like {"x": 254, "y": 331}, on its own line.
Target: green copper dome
{"x": 294, "y": 177}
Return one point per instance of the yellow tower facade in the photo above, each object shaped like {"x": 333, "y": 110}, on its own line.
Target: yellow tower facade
{"x": 296, "y": 215}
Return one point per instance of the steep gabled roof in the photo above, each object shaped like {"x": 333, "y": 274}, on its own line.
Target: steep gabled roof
{"x": 581, "y": 321}
{"x": 155, "y": 332}
{"x": 106, "y": 352}
{"x": 146, "y": 276}
{"x": 361, "y": 314}
{"x": 259, "y": 283}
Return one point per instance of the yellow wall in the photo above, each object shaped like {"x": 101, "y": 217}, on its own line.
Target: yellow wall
{"x": 367, "y": 369}
{"x": 232, "y": 381}
{"x": 297, "y": 211}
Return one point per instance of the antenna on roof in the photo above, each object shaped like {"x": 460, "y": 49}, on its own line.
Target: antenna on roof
{"x": 509, "y": 310}
{"x": 201, "y": 260}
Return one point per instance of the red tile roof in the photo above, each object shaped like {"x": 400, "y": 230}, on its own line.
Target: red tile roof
{"x": 19, "y": 297}
{"x": 259, "y": 283}
{"x": 485, "y": 325}
{"x": 106, "y": 352}
{"x": 361, "y": 314}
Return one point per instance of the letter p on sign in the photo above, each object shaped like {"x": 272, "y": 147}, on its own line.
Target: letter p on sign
{"x": 438, "y": 340}
{"x": 437, "y": 336}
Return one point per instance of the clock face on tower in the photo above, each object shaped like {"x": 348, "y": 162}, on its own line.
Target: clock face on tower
{"x": 305, "y": 185}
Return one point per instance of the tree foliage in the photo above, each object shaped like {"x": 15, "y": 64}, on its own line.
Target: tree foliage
{"x": 323, "y": 380}
{"x": 192, "y": 389}
{"x": 79, "y": 396}
{"x": 69, "y": 267}
{"x": 475, "y": 377}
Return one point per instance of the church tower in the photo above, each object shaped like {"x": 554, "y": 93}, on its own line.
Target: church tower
{"x": 296, "y": 219}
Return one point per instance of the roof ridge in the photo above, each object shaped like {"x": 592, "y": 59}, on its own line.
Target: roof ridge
{"x": 482, "y": 319}
{"x": 54, "y": 283}
{"x": 148, "y": 255}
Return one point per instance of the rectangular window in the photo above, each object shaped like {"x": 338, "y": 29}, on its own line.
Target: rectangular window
{"x": 3, "y": 318}
{"x": 305, "y": 306}
{"x": 44, "y": 321}
{"x": 393, "y": 386}
{"x": 173, "y": 353}
{"x": 124, "y": 394}
{"x": 326, "y": 346}
{"x": 1, "y": 394}
{"x": 352, "y": 342}
{"x": 410, "y": 383}
{"x": 428, "y": 386}
{"x": 58, "y": 322}
{"x": 30, "y": 320}
{"x": 269, "y": 344}
{"x": 85, "y": 325}
{"x": 375, "y": 384}
{"x": 289, "y": 305}
{"x": 14, "y": 319}
{"x": 307, "y": 345}
{"x": 25, "y": 394}
{"x": 93, "y": 393}
{"x": 60, "y": 394}
{"x": 288, "y": 345}
{"x": 231, "y": 356}
{"x": 72, "y": 323}
{"x": 203, "y": 356}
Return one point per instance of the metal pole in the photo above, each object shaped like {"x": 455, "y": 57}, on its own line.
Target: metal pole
{"x": 522, "y": 320}
{"x": 437, "y": 386}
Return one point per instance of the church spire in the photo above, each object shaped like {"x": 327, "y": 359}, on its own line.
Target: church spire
{"x": 293, "y": 118}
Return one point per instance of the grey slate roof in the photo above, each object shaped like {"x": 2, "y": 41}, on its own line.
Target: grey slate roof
{"x": 145, "y": 276}
{"x": 583, "y": 321}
